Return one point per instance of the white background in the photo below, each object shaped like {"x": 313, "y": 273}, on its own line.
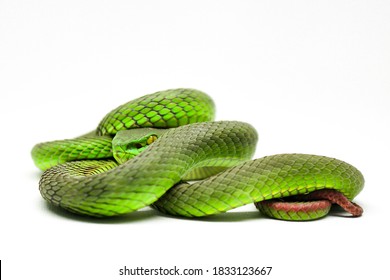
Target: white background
{"x": 311, "y": 76}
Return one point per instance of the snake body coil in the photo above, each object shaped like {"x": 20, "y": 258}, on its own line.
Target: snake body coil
{"x": 194, "y": 147}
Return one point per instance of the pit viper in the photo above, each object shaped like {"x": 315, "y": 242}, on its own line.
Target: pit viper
{"x": 165, "y": 150}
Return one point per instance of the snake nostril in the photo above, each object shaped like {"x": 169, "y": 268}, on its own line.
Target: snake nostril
{"x": 138, "y": 145}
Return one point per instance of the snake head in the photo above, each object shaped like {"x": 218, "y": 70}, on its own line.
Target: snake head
{"x": 130, "y": 143}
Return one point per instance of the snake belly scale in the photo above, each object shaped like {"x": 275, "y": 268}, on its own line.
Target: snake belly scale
{"x": 192, "y": 144}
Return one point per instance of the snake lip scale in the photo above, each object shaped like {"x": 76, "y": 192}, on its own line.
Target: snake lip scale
{"x": 126, "y": 164}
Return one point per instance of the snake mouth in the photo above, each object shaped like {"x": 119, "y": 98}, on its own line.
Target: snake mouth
{"x": 121, "y": 156}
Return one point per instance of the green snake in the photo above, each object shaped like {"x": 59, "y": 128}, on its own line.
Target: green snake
{"x": 165, "y": 151}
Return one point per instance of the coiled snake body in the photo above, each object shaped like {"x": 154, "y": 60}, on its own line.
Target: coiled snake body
{"x": 82, "y": 176}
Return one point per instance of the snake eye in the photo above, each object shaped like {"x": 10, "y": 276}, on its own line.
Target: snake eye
{"x": 151, "y": 139}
